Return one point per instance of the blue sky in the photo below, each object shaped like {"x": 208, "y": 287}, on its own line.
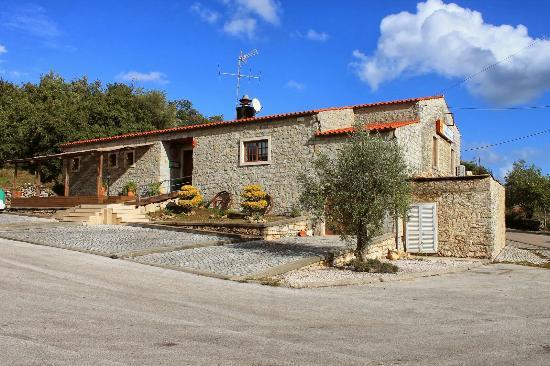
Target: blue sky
{"x": 312, "y": 54}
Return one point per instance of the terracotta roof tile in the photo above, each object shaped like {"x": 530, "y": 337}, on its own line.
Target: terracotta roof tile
{"x": 244, "y": 120}
{"x": 371, "y": 127}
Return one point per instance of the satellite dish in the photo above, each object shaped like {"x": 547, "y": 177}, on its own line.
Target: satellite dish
{"x": 256, "y": 105}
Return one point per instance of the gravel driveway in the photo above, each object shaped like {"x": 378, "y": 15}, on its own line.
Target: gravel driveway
{"x": 108, "y": 239}
{"x": 234, "y": 260}
{"x": 10, "y": 219}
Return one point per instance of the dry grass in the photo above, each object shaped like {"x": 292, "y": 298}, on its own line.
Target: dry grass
{"x": 6, "y": 178}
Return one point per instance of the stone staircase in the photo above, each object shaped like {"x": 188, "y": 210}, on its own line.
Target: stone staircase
{"x": 103, "y": 214}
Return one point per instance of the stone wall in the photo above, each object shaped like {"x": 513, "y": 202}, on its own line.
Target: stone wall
{"x": 335, "y": 118}
{"x": 386, "y": 113}
{"x": 144, "y": 171}
{"x": 432, "y": 110}
{"x": 470, "y": 214}
{"x": 217, "y": 161}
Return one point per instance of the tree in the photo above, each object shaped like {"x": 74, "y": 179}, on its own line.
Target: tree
{"x": 367, "y": 181}
{"x": 36, "y": 118}
{"x": 527, "y": 188}
{"x": 186, "y": 114}
{"x": 475, "y": 168}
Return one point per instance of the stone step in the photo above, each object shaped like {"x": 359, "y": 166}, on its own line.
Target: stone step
{"x": 136, "y": 220}
{"x": 83, "y": 214}
{"x": 92, "y": 205}
{"x": 76, "y": 219}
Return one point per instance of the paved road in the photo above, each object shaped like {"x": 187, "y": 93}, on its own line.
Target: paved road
{"x": 528, "y": 238}
{"x": 62, "y": 307}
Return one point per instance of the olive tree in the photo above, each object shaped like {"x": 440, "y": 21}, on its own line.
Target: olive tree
{"x": 359, "y": 188}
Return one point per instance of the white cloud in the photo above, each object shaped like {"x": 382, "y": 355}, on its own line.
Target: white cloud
{"x": 245, "y": 14}
{"x": 144, "y": 77}
{"x": 292, "y": 84}
{"x": 30, "y": 19}
{"x": 313, "y": 35}
{"x": 268, "y": 10}
{"x": 3, "y": 49}
{"x": 455, "y": 42}
{"x": 245, "y": 27}
{"x": 205, "y": 14}
{"x": 13, "y": 74}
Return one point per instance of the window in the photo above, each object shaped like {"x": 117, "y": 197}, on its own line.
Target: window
{"x": 255, "y": 151}
{"x": 75, "y": 164}
{"x": 435, "y": 158}
{"x": 129, "y": 158}
{"x": 113, "y": 160}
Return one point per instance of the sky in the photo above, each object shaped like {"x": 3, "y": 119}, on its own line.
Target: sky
{"x": 311, "y": 54}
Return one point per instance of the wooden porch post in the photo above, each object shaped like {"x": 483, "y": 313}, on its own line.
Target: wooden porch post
{"x": 14, "y": 180}
{"x": 66, "y": 163}
{"x": 99, "y": 175}
{"x": 37, "y": 181}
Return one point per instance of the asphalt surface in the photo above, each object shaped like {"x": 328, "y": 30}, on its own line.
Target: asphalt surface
{"x": 541, "y": 240}
{"x": 60, "y": 307}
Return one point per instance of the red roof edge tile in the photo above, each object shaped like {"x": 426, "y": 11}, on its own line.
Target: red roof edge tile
{"x": 372, "y": 127}
{"x": 244, "y": 120}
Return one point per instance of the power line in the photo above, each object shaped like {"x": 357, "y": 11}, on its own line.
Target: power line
{"x": 508, "y": 141}
{"x": 529, "y": 107}
{"x": 487, "y": 68}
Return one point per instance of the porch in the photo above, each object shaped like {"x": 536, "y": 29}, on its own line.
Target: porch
{"x": 98, "y": 175}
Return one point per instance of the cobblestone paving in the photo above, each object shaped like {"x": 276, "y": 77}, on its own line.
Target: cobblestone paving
{"x": 240, "y": 259}
{"x": 522, "y": 252}
{"x": 8, "y": 219}
{"x": 107, "y": 239}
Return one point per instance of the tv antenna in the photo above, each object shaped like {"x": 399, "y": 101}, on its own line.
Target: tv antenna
{"x": 241, "y": 60}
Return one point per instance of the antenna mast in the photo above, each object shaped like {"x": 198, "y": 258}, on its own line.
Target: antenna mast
{"x": 241, "y": 60}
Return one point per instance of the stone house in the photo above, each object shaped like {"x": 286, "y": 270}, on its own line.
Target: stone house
{"x": 269, "y": 150}
{"x": 452, "y": 215}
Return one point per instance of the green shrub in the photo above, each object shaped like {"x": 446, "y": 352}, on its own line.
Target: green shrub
{"x": 373, "y": 266}
{"x": 295, "y": 211}
{"x": 131, "y": 186}
{"x": 153, "y": 189}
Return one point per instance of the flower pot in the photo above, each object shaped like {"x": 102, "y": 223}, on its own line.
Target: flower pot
{"x": 131, "y": 194}
{"x": 18, "y": 194}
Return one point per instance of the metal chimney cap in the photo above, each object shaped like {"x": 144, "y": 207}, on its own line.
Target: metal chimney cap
{"x": 245, "y": 99}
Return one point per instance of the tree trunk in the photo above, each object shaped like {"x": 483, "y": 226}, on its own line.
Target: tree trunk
{"x": 362, "y": 242}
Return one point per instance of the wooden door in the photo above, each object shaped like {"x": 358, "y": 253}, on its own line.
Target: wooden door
{"x": 187, "y": 166}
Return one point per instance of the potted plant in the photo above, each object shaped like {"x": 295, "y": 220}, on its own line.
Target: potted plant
{"x": 129, "y": 189}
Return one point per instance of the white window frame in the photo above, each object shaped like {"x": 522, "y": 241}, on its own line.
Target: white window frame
{"x": 109, "y": 160}
{"x": 242, "y": 151}
{"x": 126, "y": 152}
{"x": 71, "y": 161}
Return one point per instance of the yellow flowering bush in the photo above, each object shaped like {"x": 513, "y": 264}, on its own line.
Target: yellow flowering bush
{"x": 189, "y": 198}
{"x": 254, "y": 199}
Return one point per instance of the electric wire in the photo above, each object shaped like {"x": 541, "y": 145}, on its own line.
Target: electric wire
{"x": 488, "y": 67}
{"x": 508, "y": 141}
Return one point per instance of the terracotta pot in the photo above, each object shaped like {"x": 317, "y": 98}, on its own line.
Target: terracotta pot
{"x": 18, "y": 194}
{"x": 131, "y": 193}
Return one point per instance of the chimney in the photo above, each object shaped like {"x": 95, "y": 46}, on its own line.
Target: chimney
{"x": 245, "y": 109}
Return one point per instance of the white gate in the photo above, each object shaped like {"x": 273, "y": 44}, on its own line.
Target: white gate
{"x": 422, "y": 228}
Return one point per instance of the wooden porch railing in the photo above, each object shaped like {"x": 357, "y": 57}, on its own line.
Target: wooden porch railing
{"x": 65, "y": 202}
